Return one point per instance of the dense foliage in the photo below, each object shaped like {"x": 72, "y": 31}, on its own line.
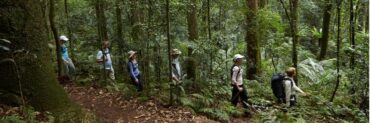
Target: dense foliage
{"x": 210, "y": 92}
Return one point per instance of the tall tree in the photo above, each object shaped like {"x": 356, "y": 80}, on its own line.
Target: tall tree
{"x": 169, "y": 49}
{"x": 292, "y": 16}
{"x": 294, "y": 30}
{"x": 22, "y": 23}
{"x": 325, "y": 30}
{"x": 55, "y": 34}
{"x": 102, "y": 21}
{"x": 251, "y": 38}
{"x": 119, "y": 39}
{"x": 136, "y": 20}
{"x": 193, "y": 36}
{"x": 352, "y": 33}
{"x": 192, "y": 23}
{"x": 71, "y": 42}
{"x": 338, "y": 49}
{"x": 209, "y": 31}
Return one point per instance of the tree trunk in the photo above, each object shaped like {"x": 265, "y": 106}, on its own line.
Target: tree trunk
{"x": 190, "y": 62}
{"x": 325, "y": 33}
{"x": 251, "y": 38}
{"x": 192, "y": 23}
{"x": 120, "y": 41}
{"x": 338, "y": 49}
{"x": 56, "y": 39}
{"x": 352, "y": 34}
{"x": 262, "y": 3}
{"x": 22, "y": 23}
{"x": 169, "y": 49}
{"x": 102, "y": 22}
{"x": 209, "y": 32}
{"x": 136, "y": 21}
{"x": 71, "y": 42}
{"x": 294, "y": 21}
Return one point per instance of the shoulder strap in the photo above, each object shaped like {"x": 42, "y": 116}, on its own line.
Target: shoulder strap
{"x": 238, "y": 72}
{"x": 237, "y": 75}
{"x": 291, "y": 82}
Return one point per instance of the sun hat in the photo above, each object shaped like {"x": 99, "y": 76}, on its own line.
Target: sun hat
{"x": 63, "y": 38}
{"x": 131, "y": 53}
{"x": 175, "y": 52}
{"x": 237, "y": 56}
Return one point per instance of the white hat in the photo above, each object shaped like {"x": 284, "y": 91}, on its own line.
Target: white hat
{"x": 238, "y": 56}
{"x": 176, "y": 52}
{"x": 131, "y": 53}
{"x": 63, "y": 38}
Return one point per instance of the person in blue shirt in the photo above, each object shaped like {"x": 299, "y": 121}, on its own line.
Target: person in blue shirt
{"x": 69, "y": 67}
{"x": 133, "y": 69}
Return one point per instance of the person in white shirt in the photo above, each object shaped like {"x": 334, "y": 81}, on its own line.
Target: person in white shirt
{"x": 176, "y": 68}
{"x": 238, "y": 90}
{"x": 290, "y": 88}
{"x": 104, "y": 57}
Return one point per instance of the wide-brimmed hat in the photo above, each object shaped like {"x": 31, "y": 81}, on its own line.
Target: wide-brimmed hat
{"x": 237, "y": 56}
{"x": 131, "y": 53}
{"x": 175, "y": 52}
{"x": 63, "y": 38}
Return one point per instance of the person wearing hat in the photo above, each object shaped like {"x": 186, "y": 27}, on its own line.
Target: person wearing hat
{"x": 176, "y": 68}
{"x": 69, "y": 67}
{"x": 238, "y": 90}
{"x": 104, "y": 57}
{"x": 134, "y": 71}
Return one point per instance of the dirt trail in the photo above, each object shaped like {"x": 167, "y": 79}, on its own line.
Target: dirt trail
{"x": 112, "y": 108}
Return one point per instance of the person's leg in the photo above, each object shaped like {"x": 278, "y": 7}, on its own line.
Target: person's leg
{"x": 71, "y": 68}
{"x": 235, "y": 96}
{"x": 293, "y": 100}
{"x": 111, "y": 74}
{"x": 66, "y": 69}
{"x": 140, "y": 84}
{"x": 134, "y": 83}
{"x": 244, "y": 97}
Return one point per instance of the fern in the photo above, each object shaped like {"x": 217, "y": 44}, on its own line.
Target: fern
{"x": 317, "y": 71}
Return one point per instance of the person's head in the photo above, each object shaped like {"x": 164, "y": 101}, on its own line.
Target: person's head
{"x": 131, "y": 55}
{"x": 291, "y": 71}
{"x": 175, "y": 53}
{"x": 63, "y": 39}
{"x": 238, "y": 59}
{"x": 105, "y": 44}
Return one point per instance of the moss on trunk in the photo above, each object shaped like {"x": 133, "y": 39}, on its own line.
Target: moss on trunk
{"x": 23, "y": 24}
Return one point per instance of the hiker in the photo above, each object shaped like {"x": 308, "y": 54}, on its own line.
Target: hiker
{"x": 290, "y": 88}
{"x": 134, "y": 71}
{"x": 238, "y": 90}
{"x": 105, "y": 56}
{"x": 69, "y": 67}
{"x": 176, "y": 68}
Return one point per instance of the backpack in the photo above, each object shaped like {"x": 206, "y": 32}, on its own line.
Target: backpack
{"x": 231, "y": 71}
{"x": 278, "y": 87}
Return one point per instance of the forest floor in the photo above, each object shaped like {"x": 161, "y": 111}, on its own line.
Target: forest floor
{"x": 113, "y": 107}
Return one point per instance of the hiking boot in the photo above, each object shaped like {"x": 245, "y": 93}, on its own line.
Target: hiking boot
{"x": 247, "y": 114}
